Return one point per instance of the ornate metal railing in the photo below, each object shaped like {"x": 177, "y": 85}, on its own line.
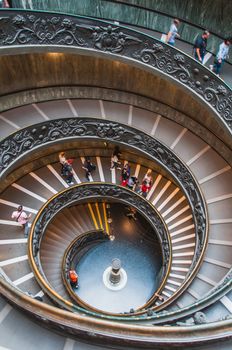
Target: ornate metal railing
{"x": 23, "y": 29}
{"x": 220, "y": 99}
{"x": 224, "y": 287}
{"x": 161, "y": 317}
{"x": 79, "y": 246}
{"x": 120, "y": 193}
{"x": 29, "y": 139}
{"x": 100, "y": 330}
{"x": 139, "y": 15}
{"x": 88, "y": 191}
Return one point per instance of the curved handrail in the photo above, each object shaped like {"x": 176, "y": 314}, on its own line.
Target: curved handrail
{"x": 22, "y": 30}
{"x": 80, "y": 193}
{"x": 223, "y": 288}
{"x": 218, "y": 326}
{"x": 161, "y": 317}
{"x": 84, "y": 240}
{"x": 71, "y": 250}
{"x": 46, "y": 133}
{"x": 103, "y": 330}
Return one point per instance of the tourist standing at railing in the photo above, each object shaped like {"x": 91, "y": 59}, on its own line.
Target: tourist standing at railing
{"x": 22, "y": 218}
{"x": 173, "y": 32}
{"x": 200, "y": 46}
{"x": 221, "y": 56}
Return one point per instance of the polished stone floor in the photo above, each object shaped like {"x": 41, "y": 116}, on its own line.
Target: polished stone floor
{"x": 140, "y": 257}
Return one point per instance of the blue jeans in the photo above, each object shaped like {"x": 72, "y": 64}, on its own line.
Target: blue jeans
{"x": 217, "y": 66}
{"x": 26, "y": 229}
{"x": 196, "y": 57}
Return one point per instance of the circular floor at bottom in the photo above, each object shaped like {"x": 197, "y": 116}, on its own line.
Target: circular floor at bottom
{"x": 140, "y": 259}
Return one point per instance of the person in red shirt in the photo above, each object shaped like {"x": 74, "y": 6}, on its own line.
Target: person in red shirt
{"x": 73, "y": 278}
{"x": 145, "y": 187}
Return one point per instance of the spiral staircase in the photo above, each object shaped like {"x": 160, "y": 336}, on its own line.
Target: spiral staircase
{"x": 189, "y": 159}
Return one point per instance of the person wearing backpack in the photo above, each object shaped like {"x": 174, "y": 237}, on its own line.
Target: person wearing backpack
{"x": 22, "y": 218}
{"x": 200, "y": 46}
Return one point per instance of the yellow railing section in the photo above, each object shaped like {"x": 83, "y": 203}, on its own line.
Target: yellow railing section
{"x": 93, "y": 216}
{"x": 105, "y": 218}
{"x": 99, "y": 215}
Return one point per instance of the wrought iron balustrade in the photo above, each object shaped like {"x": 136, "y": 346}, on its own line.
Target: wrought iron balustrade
{"x": 20, "y": 30}
{"x": 87, "y": 191}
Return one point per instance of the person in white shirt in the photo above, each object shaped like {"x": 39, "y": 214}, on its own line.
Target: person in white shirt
{"x": 115, "y": 163}
{"x": 173, "y": 32}
{"x": 221, "y": 56}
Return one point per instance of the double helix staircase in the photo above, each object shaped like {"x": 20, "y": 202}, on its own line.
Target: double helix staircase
{"x": 36, "y": 178}
{"x": 164, "y": 195}
{"x": 211, "y": 171}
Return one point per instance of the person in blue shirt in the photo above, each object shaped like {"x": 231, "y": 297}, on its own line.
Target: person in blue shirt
{"x": 200, "y": 46}
{"x": 173, "y": 32}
